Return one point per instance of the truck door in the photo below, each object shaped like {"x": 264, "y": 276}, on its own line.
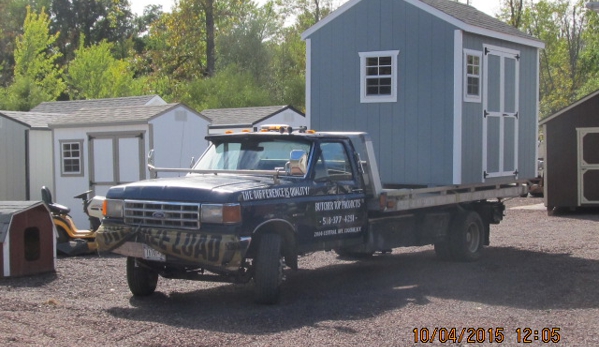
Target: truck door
{"x": 338, "y": 211}
{"x": 501, "y": 112}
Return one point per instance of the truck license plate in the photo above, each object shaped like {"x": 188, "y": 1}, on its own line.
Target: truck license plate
{"x": 152, "y": 254}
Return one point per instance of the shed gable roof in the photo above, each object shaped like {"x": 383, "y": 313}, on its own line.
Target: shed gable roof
{"x": 34, "y": 120}
{"x": 245, "y": 115}
{"x": 461, "y": 15}
{"x": 111, "y": 115}
{"x": 10, "y": 208}
{"x": 568, "y": 108}
{"x": 65, "y": 107}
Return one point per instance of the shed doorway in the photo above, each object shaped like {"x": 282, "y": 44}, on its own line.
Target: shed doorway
{"x": 115, "y": 159}
{"x": 588, "y": 166}
{"x": 500, "y": 111}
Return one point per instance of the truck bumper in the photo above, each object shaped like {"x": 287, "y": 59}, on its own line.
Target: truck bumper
{"x": 226, "y": 252}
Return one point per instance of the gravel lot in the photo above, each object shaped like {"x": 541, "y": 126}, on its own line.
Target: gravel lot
{"x": 540, "y": 272}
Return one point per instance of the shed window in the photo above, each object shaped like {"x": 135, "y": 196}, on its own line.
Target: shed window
{"x": 472, "y": 78}
{"x": 72, "y": 157}
{"x": 378, "y": 76}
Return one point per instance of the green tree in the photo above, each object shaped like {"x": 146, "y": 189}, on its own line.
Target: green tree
{"x": 567, "y": 61}
{"x": 96, "y": 74}
{"x": 96, "y": 20}
{"x": 36, "y": 76}
{"x": 12, "y": 16}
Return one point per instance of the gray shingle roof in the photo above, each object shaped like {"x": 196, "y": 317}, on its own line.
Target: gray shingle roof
{"x": 111, "y": 115}
{"x": 244, "y": 115}
{"x": 474, "y": 17}
{"x": 461, "y": 15}
{"x": 66, "y": 107}
{"x": 32, "y": 119}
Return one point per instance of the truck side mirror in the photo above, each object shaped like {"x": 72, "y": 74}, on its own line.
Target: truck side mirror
{"x": 298, "y": 162}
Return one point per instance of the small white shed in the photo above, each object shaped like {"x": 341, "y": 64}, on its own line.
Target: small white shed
{"x": 97, "y": 148}
{"x": 25, "y": 154}
{"x": 224, "y": 119}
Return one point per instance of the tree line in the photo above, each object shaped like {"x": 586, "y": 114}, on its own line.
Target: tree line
{"x": 206, "y": 53}
{"x": 230, "y": 53}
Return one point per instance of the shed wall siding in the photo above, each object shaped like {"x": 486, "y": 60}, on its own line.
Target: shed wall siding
{"x": 67, "y": 187}
{"x": 178, "y": 139}
{"x": 41, "y": 166}
{"x": 413, "y": 137}
{"x": 13, "y": 177}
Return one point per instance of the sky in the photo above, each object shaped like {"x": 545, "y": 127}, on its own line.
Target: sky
{"x": 490, "y": 7}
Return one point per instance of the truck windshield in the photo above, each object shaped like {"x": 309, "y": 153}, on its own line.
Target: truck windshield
{"x": 250, "y": 154}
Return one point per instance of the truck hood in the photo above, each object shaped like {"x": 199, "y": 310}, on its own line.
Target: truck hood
{"x": 196, "y": 188}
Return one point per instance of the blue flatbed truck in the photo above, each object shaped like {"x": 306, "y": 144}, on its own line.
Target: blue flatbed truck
{"x": 255, "y": 201}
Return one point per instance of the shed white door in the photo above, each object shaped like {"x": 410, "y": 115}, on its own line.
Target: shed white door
{"x": 588, "y": 166}
{"x": 500, "y": 112}
{"x": 115, "y": 159}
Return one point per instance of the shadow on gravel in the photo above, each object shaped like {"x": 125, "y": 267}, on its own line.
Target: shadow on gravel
{"x": 29, "y": 281}
{"x": 505, "y": 277}
{"x": 584, "y": 213}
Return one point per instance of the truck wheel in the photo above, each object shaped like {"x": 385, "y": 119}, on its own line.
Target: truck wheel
{"x": 141, "y": 280}
{"x": 466, "y": 236}
{"x": 268, "y": 270}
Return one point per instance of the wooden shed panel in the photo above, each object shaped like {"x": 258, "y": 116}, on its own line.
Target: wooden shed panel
{"x": 40, "y": 163}
{"x": 561, "y": 164}
{"x": 591, "y": 143}
{"x": 13, "y": 178}
{"x": 27, "y": 255}
{"x": 591, "y": 186}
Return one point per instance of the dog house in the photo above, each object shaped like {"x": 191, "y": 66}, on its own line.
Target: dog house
{"x": 27, "y": 242}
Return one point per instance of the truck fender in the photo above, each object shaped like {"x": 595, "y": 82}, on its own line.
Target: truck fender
{"x": 287, "y": 232}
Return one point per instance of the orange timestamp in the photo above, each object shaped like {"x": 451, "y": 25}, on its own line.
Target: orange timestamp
{"x": 485, "y": 335}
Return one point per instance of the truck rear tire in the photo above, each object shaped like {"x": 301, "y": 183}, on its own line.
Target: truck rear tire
{"x": 268, "y": 270}
{"x": 141, "y": 280}
{"x": 466, "y": 236}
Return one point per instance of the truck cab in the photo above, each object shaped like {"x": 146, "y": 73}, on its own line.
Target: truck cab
{"x": 255, "y": 201}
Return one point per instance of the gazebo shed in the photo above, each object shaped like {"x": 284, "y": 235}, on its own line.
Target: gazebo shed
{"x": 27, "y": 242}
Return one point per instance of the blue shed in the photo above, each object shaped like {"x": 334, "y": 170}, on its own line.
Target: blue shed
{"x": 448, "y": 93}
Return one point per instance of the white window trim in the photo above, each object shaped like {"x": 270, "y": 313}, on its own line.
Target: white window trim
{"x": 378, "y": 98}
{"x": 468, "y": 97}
{"x": 62, "y": 159}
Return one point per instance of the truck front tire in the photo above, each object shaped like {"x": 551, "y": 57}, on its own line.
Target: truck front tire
{"x": 141, "y": 280}
{"x": 466, "y": 236}
{"x": 268, "y": 269}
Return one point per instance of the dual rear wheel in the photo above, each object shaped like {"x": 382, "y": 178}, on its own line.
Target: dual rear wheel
{"x": 465, "y": 239}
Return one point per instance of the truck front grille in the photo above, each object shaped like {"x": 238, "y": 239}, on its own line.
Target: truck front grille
{"x": 162, "y": 214}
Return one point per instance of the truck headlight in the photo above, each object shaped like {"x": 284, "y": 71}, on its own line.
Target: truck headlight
{"x": 221, "y": 213}
{"x": 113, "y": 208}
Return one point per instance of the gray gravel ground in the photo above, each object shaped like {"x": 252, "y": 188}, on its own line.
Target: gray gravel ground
{"x": 540, "y": 273}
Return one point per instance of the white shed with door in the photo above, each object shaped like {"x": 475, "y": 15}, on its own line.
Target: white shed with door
{"x": 102, "y": 147}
